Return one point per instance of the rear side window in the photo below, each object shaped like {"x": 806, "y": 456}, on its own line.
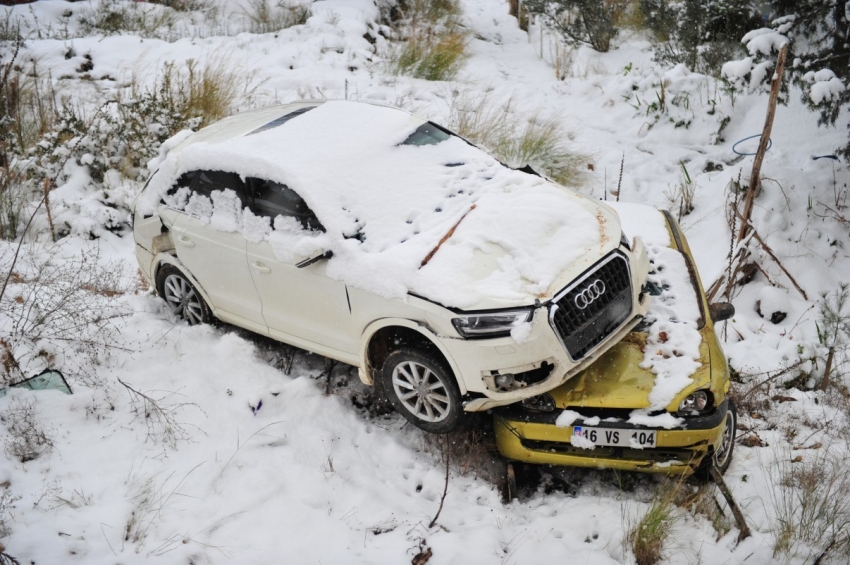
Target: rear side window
{"x": 272, "y": 199}
{"x": 281, "y": 120}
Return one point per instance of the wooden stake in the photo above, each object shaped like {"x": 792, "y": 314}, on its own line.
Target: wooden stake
{"x": 736, "y": 511}
{"x": 753, "y": 190}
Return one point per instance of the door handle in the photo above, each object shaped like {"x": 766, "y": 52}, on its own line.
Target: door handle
{"x": 261, "y": 268}
{"x": 186, "y": 241}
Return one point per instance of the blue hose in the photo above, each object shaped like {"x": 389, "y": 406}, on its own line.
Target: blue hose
{"x": 769, "y": 144}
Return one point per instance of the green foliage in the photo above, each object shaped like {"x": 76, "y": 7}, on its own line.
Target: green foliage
{"x": 590, "y": 22}
{"x": 698, "y": 33}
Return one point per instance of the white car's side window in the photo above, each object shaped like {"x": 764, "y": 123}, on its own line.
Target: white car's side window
{"x": 272, "y": 199}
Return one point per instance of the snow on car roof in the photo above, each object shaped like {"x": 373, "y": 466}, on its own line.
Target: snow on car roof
{"x": 386, "y": 205}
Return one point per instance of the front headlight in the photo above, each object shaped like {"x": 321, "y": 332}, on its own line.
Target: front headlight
{"x": 493, "y": 324}
{"x": 695, "y": 404}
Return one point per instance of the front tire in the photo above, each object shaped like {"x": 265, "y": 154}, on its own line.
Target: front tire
{"x": 182, "y": 298}
{"x": 721, "y": 456}
{"x": 422, "y": 389}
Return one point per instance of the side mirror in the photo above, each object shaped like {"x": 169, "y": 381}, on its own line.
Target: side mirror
{"x": 720, "y": 311}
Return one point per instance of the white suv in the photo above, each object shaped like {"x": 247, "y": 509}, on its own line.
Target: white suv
{"x": 382, "y": 240}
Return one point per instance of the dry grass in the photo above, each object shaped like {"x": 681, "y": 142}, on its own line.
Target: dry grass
{"x": 646, "y": 538}
{"x": 432, "y": 44}
{"x": 811, "y": 508}
{"x": 430, "y": 56}
{"x": 540, "y": 141}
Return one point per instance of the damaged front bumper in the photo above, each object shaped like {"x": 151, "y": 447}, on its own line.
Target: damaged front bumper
{"x": 533, "y": 437}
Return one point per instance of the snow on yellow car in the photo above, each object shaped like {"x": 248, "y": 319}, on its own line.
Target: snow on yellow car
{"x": 658, "y": 400}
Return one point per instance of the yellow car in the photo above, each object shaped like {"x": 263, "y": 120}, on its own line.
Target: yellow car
{"x": 656, "y": 402}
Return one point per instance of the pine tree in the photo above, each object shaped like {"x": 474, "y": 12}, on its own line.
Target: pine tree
{"x": 818, "y": 33}
{"x": 700, "y": 34}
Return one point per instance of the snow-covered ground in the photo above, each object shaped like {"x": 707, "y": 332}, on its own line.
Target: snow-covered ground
{"x": 242, "y": 463}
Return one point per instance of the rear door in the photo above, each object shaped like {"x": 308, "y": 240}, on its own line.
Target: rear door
{"x": 301, "y": 303}
{"x": 209, "y": 242}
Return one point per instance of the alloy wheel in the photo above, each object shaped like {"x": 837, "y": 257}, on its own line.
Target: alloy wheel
{"x": 421, "y": 391}
{"x": 183, "y": 300}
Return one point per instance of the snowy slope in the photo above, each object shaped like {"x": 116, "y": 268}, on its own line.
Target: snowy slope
{"x": 247, "y": 464}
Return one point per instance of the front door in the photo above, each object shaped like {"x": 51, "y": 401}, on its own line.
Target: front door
{"x": 210, "y": 244}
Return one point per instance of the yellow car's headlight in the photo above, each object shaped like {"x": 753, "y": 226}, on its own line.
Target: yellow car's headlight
{"x": 696, "y": 403}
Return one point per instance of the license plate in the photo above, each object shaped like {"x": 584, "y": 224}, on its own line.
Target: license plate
{"x": 616, "y": 437}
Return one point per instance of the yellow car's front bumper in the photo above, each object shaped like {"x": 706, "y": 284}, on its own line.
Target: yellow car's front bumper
{"x": 678, "y": 451}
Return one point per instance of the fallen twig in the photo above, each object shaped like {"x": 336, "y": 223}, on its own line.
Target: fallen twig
{"x": 769, "y": 251}
{"x": 445, "y": 487}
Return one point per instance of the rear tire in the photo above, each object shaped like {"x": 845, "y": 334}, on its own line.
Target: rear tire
{"x": 422, "y": 389}
{"x": 181, "y": 296}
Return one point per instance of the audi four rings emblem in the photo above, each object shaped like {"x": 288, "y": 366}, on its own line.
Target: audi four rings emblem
{"x": 584, "y": 298}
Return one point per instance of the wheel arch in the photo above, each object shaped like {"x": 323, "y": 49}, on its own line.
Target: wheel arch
{"x": 164, "y": 259}
{"x": 374, "y": 346}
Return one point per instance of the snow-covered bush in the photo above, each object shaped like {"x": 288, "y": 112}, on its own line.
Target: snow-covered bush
{"x": 590, "y": 22}
{"x": 700, "y": 34}
{"x": 111, "y": 17}
{"x": 267, "y": 16}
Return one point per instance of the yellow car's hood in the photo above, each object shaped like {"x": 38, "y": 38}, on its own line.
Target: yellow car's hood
{"x": 616, "y": 379}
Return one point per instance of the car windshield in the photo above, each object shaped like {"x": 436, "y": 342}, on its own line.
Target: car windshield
{"x": 427, "y": 134}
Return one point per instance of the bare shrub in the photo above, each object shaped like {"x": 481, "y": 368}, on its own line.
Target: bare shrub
{"x": 29, "y": 437}
{"x": 267, "y": 16}
{"x": 7, "y": 504}
{"x": 811, "y": 509}
{"x": 63, "y": 313}
{"x": 14, "y": 194}
{"x": 540, "y": 141}
{"x": 159, "y": 416}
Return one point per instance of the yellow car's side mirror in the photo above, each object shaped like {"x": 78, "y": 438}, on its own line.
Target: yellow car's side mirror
{"x": 721, "y": 311}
